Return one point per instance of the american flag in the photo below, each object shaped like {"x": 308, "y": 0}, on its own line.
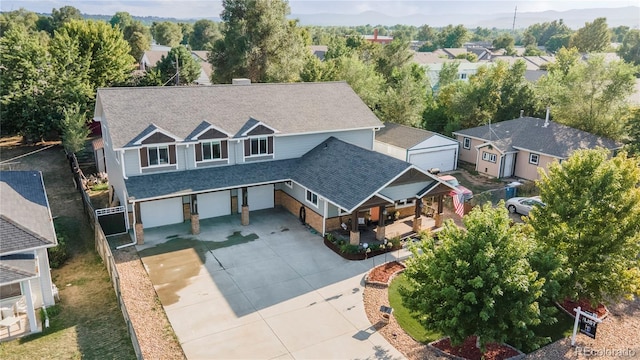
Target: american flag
{"x": 458, "y": 203}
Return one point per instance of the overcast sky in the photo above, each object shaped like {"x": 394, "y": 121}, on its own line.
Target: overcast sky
{"x": 212, "y": 8}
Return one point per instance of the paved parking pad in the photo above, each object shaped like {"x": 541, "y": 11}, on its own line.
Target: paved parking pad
{"x": 281, "y": 295}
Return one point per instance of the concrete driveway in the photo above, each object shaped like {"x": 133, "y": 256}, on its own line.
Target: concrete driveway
{"x": 269, "y": 290}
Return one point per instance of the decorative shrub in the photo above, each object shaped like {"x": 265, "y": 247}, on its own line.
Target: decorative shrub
{"x": 58, "y": 254}
{"x": 350, "y": 249}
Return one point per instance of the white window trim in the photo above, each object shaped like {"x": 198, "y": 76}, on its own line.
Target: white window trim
{"x": 490, "y": 157}
{"x": 149, "y": 165}
{"x": 464, "y": 143}
{"x": 404, "y": 203}
{"x": 259, "y": 138}
{"x": 201, "y": 144}
{"x": 531, "y": 155}
{"x": 306, "y": 197}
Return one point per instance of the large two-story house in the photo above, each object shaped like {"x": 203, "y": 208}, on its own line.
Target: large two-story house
{"x": 178, "y": 154}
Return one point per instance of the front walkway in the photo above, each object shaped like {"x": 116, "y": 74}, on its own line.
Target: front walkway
{"x": 269, "y": 290}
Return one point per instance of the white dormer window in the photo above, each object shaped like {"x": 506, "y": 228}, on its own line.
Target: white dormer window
{"x": 211, "y": 150}
{"x": 158, "y": 155}
{"x": 259, "y": 146}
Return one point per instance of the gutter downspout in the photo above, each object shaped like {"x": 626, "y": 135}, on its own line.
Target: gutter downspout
{"x": 124, "y": 174}
{"x": 135, "y": 237}
{"x": 324, "y": 217}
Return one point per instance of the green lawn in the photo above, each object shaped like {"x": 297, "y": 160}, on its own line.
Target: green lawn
{"x": 403, "y": 315}
{"x": 411, "y": 325}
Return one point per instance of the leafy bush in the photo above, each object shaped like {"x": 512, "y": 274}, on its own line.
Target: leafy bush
{"x": 58, "y": 254}
{"x": 395, "y": 241}
{"x": 349, "y": 249}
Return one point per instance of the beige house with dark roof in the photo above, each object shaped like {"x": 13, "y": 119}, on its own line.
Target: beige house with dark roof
{"x": 519, "y": 147}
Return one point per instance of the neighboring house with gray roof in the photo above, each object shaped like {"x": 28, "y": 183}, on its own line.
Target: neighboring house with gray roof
{"x": 26, "y": 232}
{"x": 519, "y": 147}
{"x": 425, "y": 149}
{"x": 200, "y": 152}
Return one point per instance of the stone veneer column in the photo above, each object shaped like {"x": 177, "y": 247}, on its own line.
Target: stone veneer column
{"x": 380, "y": 232}
{"x": 438, "y": 219}
{"x": 139, "y": 229}
{"x": 354, "y": 238}
{"x": 417, "y": 224}
{"x": 244, "y": 219}
{"x": 195, "y": 224}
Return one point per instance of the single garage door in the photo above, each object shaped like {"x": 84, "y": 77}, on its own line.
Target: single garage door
{"x": 161, "y": 212}
{"x": 214, "y": 204}
{"x": 261, "y": 197}
{"x": 441, "y": 159}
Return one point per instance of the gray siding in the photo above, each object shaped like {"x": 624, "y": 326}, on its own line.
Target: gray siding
{"x": 132, "y": 162}
{"x": 114, "y": 168}
{"x": 287, "y": 147}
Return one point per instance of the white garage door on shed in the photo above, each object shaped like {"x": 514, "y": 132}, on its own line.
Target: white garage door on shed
{"x": 261, "y": 197}
{"x": 161, "y": 212}
{"x": 445, "y": 160}
{"x": 214, "y": 204}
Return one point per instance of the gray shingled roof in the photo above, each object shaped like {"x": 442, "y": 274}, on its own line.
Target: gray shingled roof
{"x": 290, "y": 108}
{"x": 530, "y": 134}
{"x": 343, "y": 173}
{"x": 402, "y": 136}
{"x": 25, "y": 219}
{"x": 17, "y": 267}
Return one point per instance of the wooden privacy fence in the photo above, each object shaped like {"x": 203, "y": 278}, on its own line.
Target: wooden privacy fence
{"x": 104, "y": 250}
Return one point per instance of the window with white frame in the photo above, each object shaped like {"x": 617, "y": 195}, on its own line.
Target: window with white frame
{"x": 158, "y": 155}
{"x": 259, "y": 146}
{"x": 312, "y": 197}
{"x": 211, "y": 151}
{"x": 463, "y": 76}
{"x": 487, "y": 156}
{"x": 534, "y": 159}
{"x": 405, "y": 203}
{"x": 466, "y": 143}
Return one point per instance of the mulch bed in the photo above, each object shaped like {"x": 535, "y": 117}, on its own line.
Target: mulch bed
{"x": 468, "y": 350}
{"x": 383, "y": 272}
{"x": 568, "y": 305}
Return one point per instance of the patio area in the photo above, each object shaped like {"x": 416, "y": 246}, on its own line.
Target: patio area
{"x": 18, "y": 329}
{"x": 402, "y": 228}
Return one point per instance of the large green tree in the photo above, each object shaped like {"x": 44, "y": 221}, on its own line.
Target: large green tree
{"x": 74, "y": 129}
{"x": 167, "y": 33}
{"x": 205, "y": 33}
{"x": 593, "y": 37}
{"x": 589, "y": 95}
{"x": 189, "y": 67}
{"x": 138, "y": 36}
{"x": 406, "y": 96}
{"x": 104, "y": 46}
{"x": 453, "y": 37}
{"x": 258, "y": 43}
{"x": 592, "y": 220}
{"x": 630, "y": 49}
{"x": 25, "y": 77}
{"x": 479, "y": 281}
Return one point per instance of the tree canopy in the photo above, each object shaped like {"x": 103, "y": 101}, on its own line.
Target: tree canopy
{"x": 593, "y": 37}
{"x": 630, "y": 49}
{"x": 479, "y": 281}
{"x": 258, "y": 43}
{"x": 167, "y": 33}
{"x": 189, "y": 67}
{"x": 592, "y": 220}
{"x": 204, "y": 35}
{"x": 588, "y": 95}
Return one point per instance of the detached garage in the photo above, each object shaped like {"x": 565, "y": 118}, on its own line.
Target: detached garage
{"x": 424, "y": 149}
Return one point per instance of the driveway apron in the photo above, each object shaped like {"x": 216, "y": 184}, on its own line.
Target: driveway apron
{"x": 269, "y": 290}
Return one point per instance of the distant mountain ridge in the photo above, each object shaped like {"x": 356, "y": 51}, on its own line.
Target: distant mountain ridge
{"x": 575, "y": 19}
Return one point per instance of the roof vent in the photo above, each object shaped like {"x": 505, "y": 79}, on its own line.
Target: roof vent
{"x": 241, "y": 81}
{"x": 546, "y": 119}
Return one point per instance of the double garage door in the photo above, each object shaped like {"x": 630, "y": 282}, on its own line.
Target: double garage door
{"x": 169, "y": 211}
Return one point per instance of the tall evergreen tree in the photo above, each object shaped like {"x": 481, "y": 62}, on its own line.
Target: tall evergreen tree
{"x": 594, "y": 37}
